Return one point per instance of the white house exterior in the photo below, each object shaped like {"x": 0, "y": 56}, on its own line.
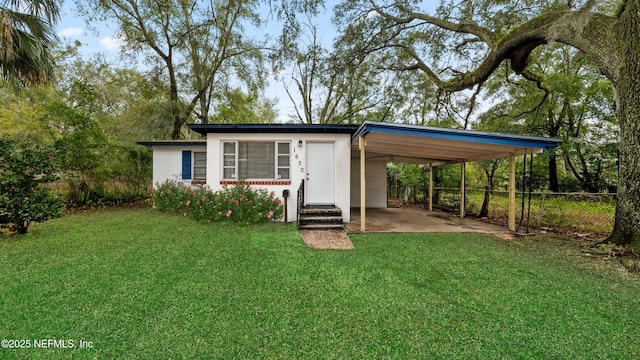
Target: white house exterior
{"x": 327, "y": 159}
{"x": 376, "y": 187}
{"x": 274, "y": 157}
{"x": 322, "y": 160}
{"x": 169, "y": 157}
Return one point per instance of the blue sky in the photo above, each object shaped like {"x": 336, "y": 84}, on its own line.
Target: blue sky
{"x": 104, "y": 38}
{"x": 71, "y": 28}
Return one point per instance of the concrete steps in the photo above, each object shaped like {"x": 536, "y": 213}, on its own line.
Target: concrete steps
{"x": 320, "y": 218}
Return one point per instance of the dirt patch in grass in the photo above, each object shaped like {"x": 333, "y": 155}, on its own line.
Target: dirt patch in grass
{"x": 327, "y": 239}
{"x": 585, "y": 249}
{"x": 579, "y": 243}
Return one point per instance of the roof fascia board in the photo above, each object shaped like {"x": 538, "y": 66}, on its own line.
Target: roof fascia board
{"x": 172, "y": 143}
{"x": 454, "y": 134}
{"x": 272, "y": 128}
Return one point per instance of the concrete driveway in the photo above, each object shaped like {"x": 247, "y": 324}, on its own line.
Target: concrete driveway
{"x": 408, "y": 219}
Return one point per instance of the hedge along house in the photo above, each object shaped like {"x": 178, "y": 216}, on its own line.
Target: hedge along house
{"x": 330, "y": 168}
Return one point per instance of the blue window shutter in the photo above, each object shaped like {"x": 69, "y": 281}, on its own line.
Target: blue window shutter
{"x": 186, "y": 165}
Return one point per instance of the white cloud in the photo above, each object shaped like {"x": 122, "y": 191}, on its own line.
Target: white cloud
{"x": 112, "y": 42}
{"x": 70, "y": 32}
{"x": 277, "y": 74}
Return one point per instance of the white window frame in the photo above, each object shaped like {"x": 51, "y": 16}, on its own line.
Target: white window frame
{"x": 236, "y": 158}
{"x": 234, "y": 167}
{"x": 202, "y": 166}
{"x": 277, "y": 160}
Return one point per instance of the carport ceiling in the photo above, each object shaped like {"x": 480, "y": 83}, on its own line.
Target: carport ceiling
{"x": 438, "y": 146}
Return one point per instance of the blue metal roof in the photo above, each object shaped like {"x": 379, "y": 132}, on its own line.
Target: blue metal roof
{"x": 385, "y": 128}
{"x": 455, "y": 134}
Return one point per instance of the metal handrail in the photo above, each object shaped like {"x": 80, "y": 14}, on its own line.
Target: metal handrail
{"x": 300, "y": 200}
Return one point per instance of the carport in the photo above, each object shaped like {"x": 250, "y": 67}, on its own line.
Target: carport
{"x": 432, "y": 146}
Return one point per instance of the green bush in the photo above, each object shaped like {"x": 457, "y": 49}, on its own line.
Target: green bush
{"x": 238, "y": 203}
{"x": 23, "y": 199}
{"x": 84, "y": 196}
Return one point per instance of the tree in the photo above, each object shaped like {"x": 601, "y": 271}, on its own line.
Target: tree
{"x": 94, "y": 128}
{"x": 489, "y": 168}
{"x": 91, "y": 115}
{"x": 80, "y": 143}
{"x": 484, "y": 34}
{"x": 579, "y": 104}
{"x": 21, "y": 116}
{"x": 195, "y": 44}
{"x": 591, "y": 158}
{"x": 337, "y": 84}
{"x": 411, "y": 177}
{"x": 27, "y": 39}
{"x": 23, "y": 170}
{"x": 127, "y": 104}
{"x": 328, "y": 86}
{"x": 236, "y": 107}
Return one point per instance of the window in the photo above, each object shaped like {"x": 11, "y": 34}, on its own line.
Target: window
{"x": 255, "y": 160}
{"x": 283, "y": 160}
{"x": 229, "y": 160}
{"x": 199, "y": 165}
{"x": 194, "y": 165}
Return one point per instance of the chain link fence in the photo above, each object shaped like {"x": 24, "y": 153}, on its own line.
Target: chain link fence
{"x": 579, "y": 212}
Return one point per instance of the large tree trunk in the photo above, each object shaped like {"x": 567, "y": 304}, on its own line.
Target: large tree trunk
{"x": 626, "y": 229}
{"x": 177, "y": 122}
{"x": 175, "y": 100}
{"x": 484, "y": 211}
{"x": 488, "y": 189}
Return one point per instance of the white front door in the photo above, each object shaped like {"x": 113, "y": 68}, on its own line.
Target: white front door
{"x": 320, "y": 174}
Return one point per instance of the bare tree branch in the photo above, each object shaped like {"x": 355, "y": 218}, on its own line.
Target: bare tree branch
{"x": 472, "y": 104}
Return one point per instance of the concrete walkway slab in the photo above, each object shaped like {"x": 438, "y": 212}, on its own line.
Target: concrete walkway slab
{"x": 326, "y": 239}
{"x": 408, "y": 219}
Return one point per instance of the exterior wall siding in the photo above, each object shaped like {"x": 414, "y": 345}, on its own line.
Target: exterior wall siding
{"x": 298, "y": 166}
{"x": 376, "y": 178}
{"x": 167, "y": 162}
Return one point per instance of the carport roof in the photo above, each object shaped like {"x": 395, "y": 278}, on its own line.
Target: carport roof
{"x": 437, "y": 146}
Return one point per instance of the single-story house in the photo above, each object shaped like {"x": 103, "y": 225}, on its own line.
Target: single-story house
{"x": 327, "y": 166}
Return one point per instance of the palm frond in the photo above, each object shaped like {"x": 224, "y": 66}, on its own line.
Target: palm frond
{"x": 27, "y": 39}
{"x": 45, "y": 9}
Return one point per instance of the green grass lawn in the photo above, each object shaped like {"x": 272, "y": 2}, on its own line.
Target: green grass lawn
{"x": 139, "y": 284}
{"x": 557, "y": 211}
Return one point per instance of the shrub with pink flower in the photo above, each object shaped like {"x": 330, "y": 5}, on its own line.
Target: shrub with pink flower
{"x": 238, "y": 203}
